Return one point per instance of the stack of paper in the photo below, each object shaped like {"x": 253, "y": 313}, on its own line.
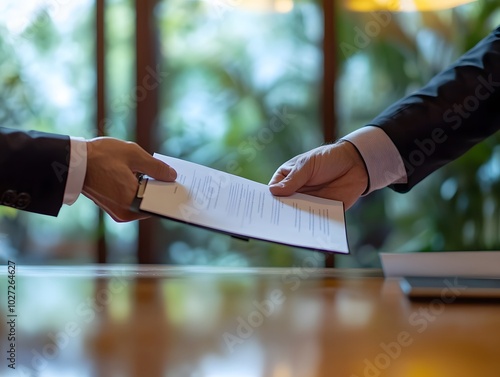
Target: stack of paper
{"x": 483, "y": 264}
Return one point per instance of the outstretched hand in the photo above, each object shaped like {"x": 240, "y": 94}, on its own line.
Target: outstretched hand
{"x": 111, "y": 180}
{"x": 334, "y": 171}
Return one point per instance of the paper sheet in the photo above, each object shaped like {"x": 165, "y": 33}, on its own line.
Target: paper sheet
{"x": 456, "y": 263}
{"x": 217, "y": 200}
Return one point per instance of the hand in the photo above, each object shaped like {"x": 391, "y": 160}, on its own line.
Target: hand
{"x": 111, "y": 180}
{"x": 334, "y": 171}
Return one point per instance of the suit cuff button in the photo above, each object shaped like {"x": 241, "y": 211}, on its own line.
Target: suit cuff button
{"x": 9, "y": 198}
{"x": 23, "y": 200}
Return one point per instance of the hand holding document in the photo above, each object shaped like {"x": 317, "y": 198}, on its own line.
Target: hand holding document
{"x": 243, "y": 208}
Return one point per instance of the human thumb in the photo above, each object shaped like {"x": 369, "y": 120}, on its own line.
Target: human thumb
{"x": 291, "y": 183}
{"x": 158, "y": 169}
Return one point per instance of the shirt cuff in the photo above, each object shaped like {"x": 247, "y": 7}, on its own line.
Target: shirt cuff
{"x": 76, "y": 170}
{"x": 382, "y": 159}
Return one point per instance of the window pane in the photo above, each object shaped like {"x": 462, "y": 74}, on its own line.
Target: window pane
{"x": 121, "y": 238}
{"x": 383, "y": 57}
{"x": 242, "y": 95}
{"x": 47, "y": 83}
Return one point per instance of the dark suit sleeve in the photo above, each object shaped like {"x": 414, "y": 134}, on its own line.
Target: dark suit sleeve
{"x": 457, "y": 109}
{"x": 34, "y": 170}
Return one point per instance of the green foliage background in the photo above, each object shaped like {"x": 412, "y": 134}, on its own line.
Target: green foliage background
{"x": 457, "y": 207}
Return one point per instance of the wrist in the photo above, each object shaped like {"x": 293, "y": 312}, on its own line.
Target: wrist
{"x": 76, "y": 170}
{"x": 358, "y": 164}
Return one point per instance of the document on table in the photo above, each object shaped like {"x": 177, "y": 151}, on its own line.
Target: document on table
{"x": 243, "y": 208}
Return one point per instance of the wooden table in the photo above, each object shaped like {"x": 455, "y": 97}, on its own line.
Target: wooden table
{"x": 195, "y": 322}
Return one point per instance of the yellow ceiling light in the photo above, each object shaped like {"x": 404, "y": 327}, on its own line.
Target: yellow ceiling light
{"x": 278, "y": 6}
{"x": 402, "y": 5}
{"x": 283, "y": 6}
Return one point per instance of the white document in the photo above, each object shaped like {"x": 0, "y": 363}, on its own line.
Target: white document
{"x": 221, "y": 201}
{"x": 481, "y": 264}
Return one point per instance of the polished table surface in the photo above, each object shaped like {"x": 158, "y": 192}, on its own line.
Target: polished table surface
{"x": 224, "y": 322}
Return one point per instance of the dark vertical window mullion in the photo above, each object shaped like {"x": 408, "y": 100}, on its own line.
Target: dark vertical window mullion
{"x": 147, "y": 108}
{"x": 101, "y": 113}
{"x": 329, "y": 74}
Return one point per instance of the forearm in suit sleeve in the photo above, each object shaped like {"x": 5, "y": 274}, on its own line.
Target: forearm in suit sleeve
{"x": 458, "y": 108}
{"x": 34, "y": 170}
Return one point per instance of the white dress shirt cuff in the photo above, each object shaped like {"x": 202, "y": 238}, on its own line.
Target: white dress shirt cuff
{"x": 382, "y": 159}
{"x": 76, "y": 170}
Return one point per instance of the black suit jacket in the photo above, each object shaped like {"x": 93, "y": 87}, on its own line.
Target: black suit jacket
{"x": 33, "y": 170}
{"x": 458, "y": 108}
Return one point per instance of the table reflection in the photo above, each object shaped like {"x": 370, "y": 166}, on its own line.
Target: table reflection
{"x": 168, "y": 321}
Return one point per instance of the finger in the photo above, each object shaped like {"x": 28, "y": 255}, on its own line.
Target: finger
{"x": 116, "y": 202}
{"x": 128, "y": 216}
{"x": 296, "y": 179}
{"x": 156, "y": 169}
{"x": 278, "y": 176}
{"x": 119, "y": 212}
{"x": 284, "y": 170}
{"x": 121, "y": 215}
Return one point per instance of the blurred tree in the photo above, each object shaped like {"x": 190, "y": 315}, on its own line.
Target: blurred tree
{"x": 242, "y": 95}
{"x": 46, "y": 83}
{"x": 456, "y": 208}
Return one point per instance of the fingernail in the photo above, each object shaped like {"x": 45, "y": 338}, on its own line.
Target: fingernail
{"x": 173, "y": 173}
{"x": 279, "y": 185}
